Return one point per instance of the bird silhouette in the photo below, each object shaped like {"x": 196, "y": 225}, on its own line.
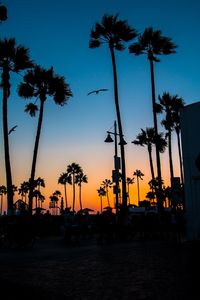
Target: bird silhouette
{"x": 97, "y": 91}
{"x": 12, "y": 129}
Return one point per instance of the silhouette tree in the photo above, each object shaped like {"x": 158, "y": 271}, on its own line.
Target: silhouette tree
{"x": 79, "y": 179}
{"x": 23, "y": 190}
{"x": 3, "y": 13}
{"x": 3, "y": 191}
{"x": 41, "y": 83}
{"x": 153, "y": 43}
{"x": 36, "y": 195}
{"x": 148, "y": 138}
{"x": 53, "y": 202}
{"x": 139, "y": 176}
{"x": 101, "y": 192}
{"x": 129, "y": 181}
{"x": 115, "y": 33}
{"x": 107, "y": 183}
{"x": 13, "y": 58}
{"x": 38, "y": 183}
{"x": 73, "y": 170}
{"x": 64, "y": 179}
{"x": 166, "y": 101}
{"x": 177, "y": 106}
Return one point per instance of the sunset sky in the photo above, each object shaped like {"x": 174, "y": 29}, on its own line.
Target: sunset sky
{"x": 57, "y": 34}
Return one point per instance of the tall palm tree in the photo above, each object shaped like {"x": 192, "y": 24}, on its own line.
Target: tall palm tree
{"x": 64, "y": 179}
{"x": 13, "y": 58}
{"x": 169, "y": 103}
{"x": 57, "y": 194}
{"x": 36, "y": 195}
{"x": 153, "y": 43}
{"x": 41, "y": 84}
{"x": 79, "y": 179}
{"x": 139, "y": 176}
{"x": 148, "y": 138}
{"x": 166, "y": 101}
{"x": 101, "y": 192}
{"x": 73, "y": 170}
{"x": 53, "y": 202}
{"x": 129, "y": 181}
{"x": 23, "y": 190}
{"x": 115, "y": 33}
{"x": 107, "y": 183}
{"x": 177, "y": 106}
{"x": 3, "y": 191}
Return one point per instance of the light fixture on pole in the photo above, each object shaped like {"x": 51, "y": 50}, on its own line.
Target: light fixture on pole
{"x": 115, "y": 173}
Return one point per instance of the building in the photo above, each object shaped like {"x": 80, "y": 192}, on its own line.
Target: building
{"x": 190, "y": 135}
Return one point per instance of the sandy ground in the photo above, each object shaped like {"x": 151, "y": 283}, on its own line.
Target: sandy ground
{"x": 137, "y": 269}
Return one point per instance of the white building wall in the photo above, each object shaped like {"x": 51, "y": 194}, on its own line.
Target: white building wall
{"x": 190, "y": 135}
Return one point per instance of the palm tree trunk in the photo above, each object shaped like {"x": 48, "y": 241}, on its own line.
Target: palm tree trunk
{"x": 80, "y": 197}
{"x": 180, "y": 155}
{"x": 151, "y": 163}
{"x": 128, "y": 193}
{"x": 101, "y": 203}
{"x": 138, "y": 186}
{"x": 65, "y": 190}
{"x": 35, "y": 152}
{"x": 107, "y": 197}
{"x": 170, "y": 155}
{"x": 1, "y": 209}
{"x": 6, "y": 92}
{"x": 160, "y": 202}
{"x": 73, "y": 193}
{"x": 123, "y": 167}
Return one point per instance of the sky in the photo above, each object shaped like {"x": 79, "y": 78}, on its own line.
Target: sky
{"x": 57, "y": 34}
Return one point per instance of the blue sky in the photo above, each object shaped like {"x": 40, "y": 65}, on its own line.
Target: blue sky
{"x": 57, "y": 34}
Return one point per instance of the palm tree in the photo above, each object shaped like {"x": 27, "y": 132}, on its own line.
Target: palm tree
{"x": 36, "y": 195}
{"x": 115, "y": 33}
{"x": 53, "y": 202}
{"x": 64, "y": 179}
{"x": 3, "y": 13}
{"x": 40, "y": 183}
{"x": 73, "y": 170}
{"x": 129, "y": 181}
{"x": 3, "y": 191}
{"x": 139, "y": 176}
{"x": 41, "y": 83}
{"x": 101, "y": 192}
{"x": 23, "y": 190}
{"x": 79, "y": 179}
{"x": 107, "y": 183}
{"x": 13, "y": 58}
{"x": 169, "y": 105}
{"x": 148, "y": 138}
{"x": 153, "y": 43}
{"x": 177, "y": 106}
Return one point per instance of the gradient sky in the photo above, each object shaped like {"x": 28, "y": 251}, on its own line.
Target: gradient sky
{"x": 57, "y": 34}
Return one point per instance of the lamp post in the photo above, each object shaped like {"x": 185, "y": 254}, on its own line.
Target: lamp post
{"x": 117, "y": 166}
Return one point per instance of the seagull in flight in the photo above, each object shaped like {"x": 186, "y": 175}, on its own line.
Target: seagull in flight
{"x": 12, "y": 129}
{"x": 97, "y": 91}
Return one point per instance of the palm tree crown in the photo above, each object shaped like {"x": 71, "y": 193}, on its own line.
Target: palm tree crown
{"x": 153, "y": 43}
{"x": 112, "y": 31}
{"x": 3, "y": 13}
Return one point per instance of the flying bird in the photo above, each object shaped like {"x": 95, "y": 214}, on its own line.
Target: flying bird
{"x": 12, "y": 129}
{"x": 97, "y": 91}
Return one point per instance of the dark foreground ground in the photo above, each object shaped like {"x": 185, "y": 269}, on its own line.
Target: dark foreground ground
{"x": 137, "y": 269}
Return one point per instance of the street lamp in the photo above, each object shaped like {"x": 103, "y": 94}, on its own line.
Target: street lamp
{"x": 115, "y": 174}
